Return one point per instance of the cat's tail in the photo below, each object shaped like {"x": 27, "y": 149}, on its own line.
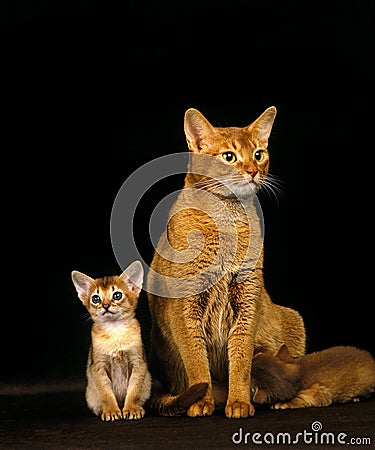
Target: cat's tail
{"x": 177, "y": 405}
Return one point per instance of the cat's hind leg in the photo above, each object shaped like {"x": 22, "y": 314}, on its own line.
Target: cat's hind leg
{"x": 316, "y": 395}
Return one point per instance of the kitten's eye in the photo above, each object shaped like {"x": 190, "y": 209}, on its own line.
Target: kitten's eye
{"x": 95, "y": 299}
{"x": 229, "y": 157}
{"x": 117, "y": 296}
{"x": 259, "y": 155}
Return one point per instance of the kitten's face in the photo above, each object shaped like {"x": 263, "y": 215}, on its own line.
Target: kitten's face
{"x": 241, "y": 157}
{"x": 110, "y": 298}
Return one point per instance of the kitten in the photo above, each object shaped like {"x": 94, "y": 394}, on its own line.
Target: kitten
{"x": 208, "y": 303}
{"x": 335, "y": 375}
{"x": 118, "y": 379}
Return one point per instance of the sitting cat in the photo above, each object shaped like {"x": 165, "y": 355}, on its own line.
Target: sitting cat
{"x": 117, "y": 372}
{"x": 335, "y": 375}
{"x": 209, "y": 305}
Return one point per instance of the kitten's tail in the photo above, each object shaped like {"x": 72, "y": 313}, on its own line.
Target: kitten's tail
{"x": 177, "y": 405}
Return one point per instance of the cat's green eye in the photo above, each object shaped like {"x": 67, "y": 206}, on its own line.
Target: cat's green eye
{"x": 259, "y": 155}
{"x": 229, "y": 157}
{"x": 95, "y": 299}
{"x": 117, "y": 296}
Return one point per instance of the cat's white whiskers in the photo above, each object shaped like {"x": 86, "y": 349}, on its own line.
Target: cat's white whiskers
{"x": 273, "y": 187}
{"x": 236, "y": 183}
{"x": 275, "y": 184}
{"x": 203, "y": 183}
{"x": 213, "y": 185}
{"x": 275, "y": 180}
{"x": 270, "y": 184}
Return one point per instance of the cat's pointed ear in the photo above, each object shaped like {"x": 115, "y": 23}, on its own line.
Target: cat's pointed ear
{"x": 197, "y": 130}
{"x": 260, "y": 396}
{"x": 283, "y": 353}
{"x": 83, "y": 284}
{"x": 133, "y": 276}
{"x": 262, "y": 126}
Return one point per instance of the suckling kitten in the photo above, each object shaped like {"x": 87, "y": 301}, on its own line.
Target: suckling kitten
{"x": 118, "y": 380}
{"x": 335, "y": 375}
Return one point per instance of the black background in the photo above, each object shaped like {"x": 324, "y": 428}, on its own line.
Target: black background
{"x": 96, "y": 91}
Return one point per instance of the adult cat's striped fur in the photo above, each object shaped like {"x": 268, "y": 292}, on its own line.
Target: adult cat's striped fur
{"x": 209, "y": 306}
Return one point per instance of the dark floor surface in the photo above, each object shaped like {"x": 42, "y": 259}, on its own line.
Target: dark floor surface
{"x": 56, "y": 417}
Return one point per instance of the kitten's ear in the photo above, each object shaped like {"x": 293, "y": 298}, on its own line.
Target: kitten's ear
{"x": 133, "y": 276}
{"x": 260, "y": 396}
{"x": 284, "y": 354}
{"x": 83, "y": 284}
{"x": 262, "y": 126}
{"x": 197, "y": 130}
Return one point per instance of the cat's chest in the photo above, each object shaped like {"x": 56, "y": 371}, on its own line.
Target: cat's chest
{"x": 218, "y": 317}
{"x": 217, "y": 322}
{"x": 114, "y": 342}
{"x": 221, "y": 246}
{"x": 227, "y": 252}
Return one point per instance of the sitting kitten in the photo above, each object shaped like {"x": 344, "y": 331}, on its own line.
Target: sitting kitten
{"x": 335, "y": 375}
{"x": 117, "y": 372}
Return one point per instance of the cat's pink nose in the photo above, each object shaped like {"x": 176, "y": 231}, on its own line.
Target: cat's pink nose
{"x": 252, "y": 171}
{"x": 106, "y": 305}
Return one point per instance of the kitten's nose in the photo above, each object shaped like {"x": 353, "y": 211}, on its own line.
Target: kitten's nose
{"x": 106, "y": 305}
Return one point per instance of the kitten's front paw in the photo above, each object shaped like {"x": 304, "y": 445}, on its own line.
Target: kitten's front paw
{"x": 133, "y": 412}
{"x": 201, "y": 408}
{"x": 109, "y": 415}
{"x": 239, "y": 410}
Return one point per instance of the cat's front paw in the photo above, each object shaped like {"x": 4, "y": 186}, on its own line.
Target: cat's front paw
{"x": 133, "y": 412}
{"x": 239, "y": 410}
{"x": 201, "y": 408}
{"x": 109, "y": 415}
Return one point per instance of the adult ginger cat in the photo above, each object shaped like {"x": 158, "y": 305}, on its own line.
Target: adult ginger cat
{"x": 208, "y": 303}
{"x": 335, "y": 375}
{"x": 118, "y": 379}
